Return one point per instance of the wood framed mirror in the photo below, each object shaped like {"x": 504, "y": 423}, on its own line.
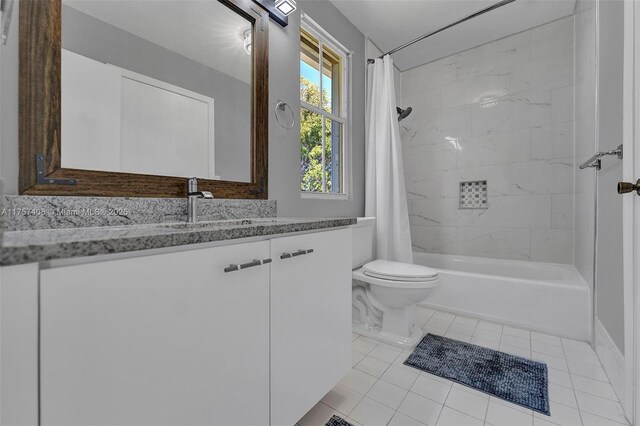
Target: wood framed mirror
{"x": 45, "y": 152}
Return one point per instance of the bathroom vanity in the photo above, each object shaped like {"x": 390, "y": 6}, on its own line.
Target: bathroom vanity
{"x": 252, "y": 330}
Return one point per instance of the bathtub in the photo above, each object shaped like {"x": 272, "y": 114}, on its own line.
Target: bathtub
{"x": 544, "y": 297}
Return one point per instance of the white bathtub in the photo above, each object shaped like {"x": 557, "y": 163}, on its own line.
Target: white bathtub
{"x": 544, "y": 297}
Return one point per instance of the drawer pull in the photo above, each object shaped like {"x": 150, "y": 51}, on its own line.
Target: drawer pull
{"x": 238, "y": 267}
{"x": 295, "y": 254}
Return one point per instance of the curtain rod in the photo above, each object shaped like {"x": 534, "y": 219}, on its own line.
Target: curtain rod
{"x": 459, "y": 21}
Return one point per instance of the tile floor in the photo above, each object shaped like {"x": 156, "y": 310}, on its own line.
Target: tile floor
{"x": 380, "y": 390}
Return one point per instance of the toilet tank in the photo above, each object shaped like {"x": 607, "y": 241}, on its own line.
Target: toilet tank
{"x": 363, "y": 244}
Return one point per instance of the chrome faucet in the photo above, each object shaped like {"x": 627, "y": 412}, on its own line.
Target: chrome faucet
{"x": 193, "y": 194}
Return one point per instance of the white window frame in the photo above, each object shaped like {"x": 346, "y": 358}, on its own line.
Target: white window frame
{"x": 310, "y": 26}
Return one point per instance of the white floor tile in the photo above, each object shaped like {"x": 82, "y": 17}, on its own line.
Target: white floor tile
{"x": 511, "y": 405}
{"x": 547, "y": 348}
{"x": 319, "y": 415}
{"x": 601, "y": 407}
{"x": 438, "y": 323}
{"x": 402, "y": 358}
{"x": 353, "y": 422}
{"x": 385, "y": 353}
{"x": 501, "y": 415}
{"x": 551, "y": 361}
{"x": 491, "y": 326}
{"x": 589, "y": 419}
{"x": 537, "y": 421}
{"x": 516, "y": 332}
{"x": 400, "y": 419}
{"x": 387, "y": 394}
{"x": 545, "y": 338}
{"x": 579, "y": 390}
{"x": 516, "y": 342}
{"x": 515, "y": 350}
{"x": 587, "y": 370}
{"x": 576, "y": 345}
{"x": 354, "y": 336}
{"x": 560, "y": 377}
{"x": 594, "y": 387}
{"x": 471, "y": 390}
{"x": 434, "y": 329}
{"x": 402, "y": 376}
{"x": 342, "y": 399}
{"x": 356, "y": 357}
{"x": 467, "y": 403}
{"x": 471, "y": 322}
{"x": 363, "y": 345}
{"x": 431, "y": 388}
{"x": 371, "y": 413}
{"x": 487, "y": 334}
{"x": 450, "y": 417}
{"x": 562, "y": 395}
{"x": 458, "y": 336}
{"x": 561, "y": 415}
{"x": 445, "y": 316}
{"x": 420, "y": 408}
{"x": 462, "y": 329}
{"x": 373, "y": 366}
{"x": 584, "y": 357}
{"x": 358, "y": 381}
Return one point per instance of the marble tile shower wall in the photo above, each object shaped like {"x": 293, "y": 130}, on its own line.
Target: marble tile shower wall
{"x": 504, "y": 113}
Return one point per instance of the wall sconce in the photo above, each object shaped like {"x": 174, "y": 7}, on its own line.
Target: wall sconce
{"x": 286, "y": 7}
{"x": 247, "y": 41}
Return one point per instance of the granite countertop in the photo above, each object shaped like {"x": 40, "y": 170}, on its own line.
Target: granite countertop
{"x": 30, "y": 246}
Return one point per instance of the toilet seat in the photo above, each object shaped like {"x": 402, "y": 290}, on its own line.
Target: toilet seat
{"x": 398, "y": 271}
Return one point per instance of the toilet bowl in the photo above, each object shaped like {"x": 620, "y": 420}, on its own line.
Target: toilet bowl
{"x": 385, "y": 293}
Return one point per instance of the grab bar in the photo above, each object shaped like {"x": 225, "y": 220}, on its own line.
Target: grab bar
{"x": 595, "y": 160}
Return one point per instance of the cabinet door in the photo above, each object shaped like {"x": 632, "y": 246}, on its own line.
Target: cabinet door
{"x": 310, "y": 321}
{"x": 160, "y": 340}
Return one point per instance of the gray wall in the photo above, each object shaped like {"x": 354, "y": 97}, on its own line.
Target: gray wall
{"x": 284, "y": 145}
{"x": 609, "y": 269}
{"x": 95, "y": 39}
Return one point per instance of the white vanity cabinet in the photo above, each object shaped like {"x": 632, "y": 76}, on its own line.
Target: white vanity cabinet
{"x": 171, "y": 338}
{"x": 166, "y": 339}
{"x": 310, "y": 320}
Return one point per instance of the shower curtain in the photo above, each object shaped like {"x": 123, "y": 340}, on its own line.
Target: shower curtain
{"x": 385, "y": 194}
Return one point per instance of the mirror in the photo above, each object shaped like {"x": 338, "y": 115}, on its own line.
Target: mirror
{"x": 156, "y": 87}
{"x": 129, "y": 98}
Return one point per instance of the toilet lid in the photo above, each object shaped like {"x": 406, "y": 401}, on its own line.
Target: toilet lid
{"x": 398, "y": 271}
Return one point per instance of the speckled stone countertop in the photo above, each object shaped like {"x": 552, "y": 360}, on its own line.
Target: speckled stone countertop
{"x": 38, "y": 245}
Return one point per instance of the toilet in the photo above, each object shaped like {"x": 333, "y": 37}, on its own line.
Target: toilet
{"x": 385, "y": 293}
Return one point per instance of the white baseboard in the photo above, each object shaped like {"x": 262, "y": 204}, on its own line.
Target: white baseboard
{"x": 614, "y": 365}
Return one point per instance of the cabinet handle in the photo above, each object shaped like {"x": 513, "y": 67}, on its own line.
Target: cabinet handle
{"x": 295, "y": 254}
{"x": 256, "y": 262}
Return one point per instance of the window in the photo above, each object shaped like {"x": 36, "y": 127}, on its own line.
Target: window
{"x": 324, "y": 113}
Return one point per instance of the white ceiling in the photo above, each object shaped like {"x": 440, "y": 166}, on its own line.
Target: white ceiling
{"x": 205, "y": 31}
{"x": 391, "y": 23}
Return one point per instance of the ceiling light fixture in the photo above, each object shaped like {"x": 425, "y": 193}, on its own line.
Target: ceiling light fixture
{"x": 286, "y": 7}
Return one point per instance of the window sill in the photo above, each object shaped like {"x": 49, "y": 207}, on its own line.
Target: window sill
{"x": 323, "y": 196}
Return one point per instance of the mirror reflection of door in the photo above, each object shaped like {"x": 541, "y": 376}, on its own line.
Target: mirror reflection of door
{"x": 156, "y": 87}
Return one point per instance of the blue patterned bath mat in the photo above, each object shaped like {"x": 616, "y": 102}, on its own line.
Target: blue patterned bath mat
{"x": 509, "y": 377}
{"x": 337, "y": 421}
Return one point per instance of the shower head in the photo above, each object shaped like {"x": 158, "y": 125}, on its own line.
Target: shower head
{"x": 403, "y": 113}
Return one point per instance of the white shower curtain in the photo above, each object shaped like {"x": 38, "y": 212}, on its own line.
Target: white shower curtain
{"x": 385, "y": 194}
